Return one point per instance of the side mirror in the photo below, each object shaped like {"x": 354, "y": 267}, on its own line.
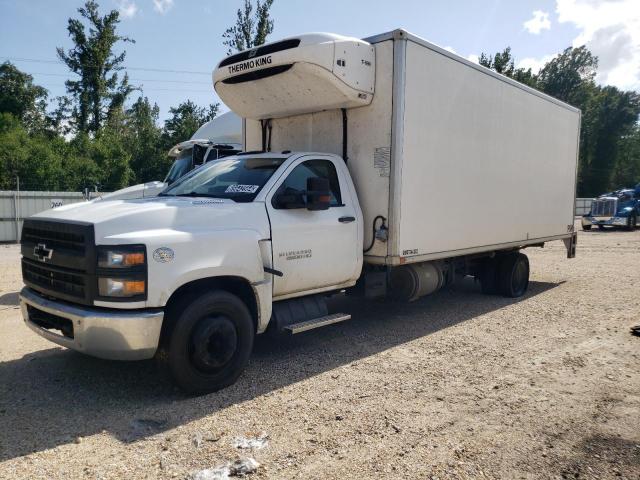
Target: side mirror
{"x": 318, "y": 193}
{"x": 197, "y": 155}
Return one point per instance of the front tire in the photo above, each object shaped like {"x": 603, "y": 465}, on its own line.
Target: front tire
{"x": 208, "y": 342}
{"x": 632, "y": 222}
{"x": 513, "y": 275}
{"x": 586, "y": 227}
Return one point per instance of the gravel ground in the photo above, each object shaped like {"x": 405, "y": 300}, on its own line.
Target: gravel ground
{"x": 457, "y": 385}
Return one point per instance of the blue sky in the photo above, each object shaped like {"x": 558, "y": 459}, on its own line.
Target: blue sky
{"x": 186, "y": 35}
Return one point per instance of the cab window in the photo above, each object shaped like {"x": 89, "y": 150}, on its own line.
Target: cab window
{"x": 296, "y": 182}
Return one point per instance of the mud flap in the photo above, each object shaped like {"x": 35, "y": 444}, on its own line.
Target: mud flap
{"x": 570, "y": 243}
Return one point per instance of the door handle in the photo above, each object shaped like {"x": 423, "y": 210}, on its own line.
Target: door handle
{"x": 347, "y": 219}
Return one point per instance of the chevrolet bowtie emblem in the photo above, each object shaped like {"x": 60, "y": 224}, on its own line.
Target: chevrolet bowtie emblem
{"x": 42, "y": 253}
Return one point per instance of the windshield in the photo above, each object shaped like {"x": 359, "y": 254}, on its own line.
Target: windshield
{"x": 180, "y": 166}
{"x": 237, "y": 178}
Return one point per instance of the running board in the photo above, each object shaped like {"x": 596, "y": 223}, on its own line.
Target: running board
{"x": 316, "y": 323}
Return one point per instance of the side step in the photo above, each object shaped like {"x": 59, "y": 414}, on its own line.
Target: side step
{"x": 316, "y": 323}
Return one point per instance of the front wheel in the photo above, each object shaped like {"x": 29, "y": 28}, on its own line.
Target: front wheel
{"x": 208, "y": 342}
{"x": 632, "y": 222}
{"x": 586, "y": 227}
{"x": 513, "y": 275}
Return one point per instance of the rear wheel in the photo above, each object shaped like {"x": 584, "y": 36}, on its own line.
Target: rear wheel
{"x": 600, "y": 227}
{"x": 488, "y": 277}
{"x": 513, "y": 275}
{"x": 208, "y": 342}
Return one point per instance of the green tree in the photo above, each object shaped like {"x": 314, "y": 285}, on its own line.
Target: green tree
{"x": 185, "y": 119}
{"x": 99, "y": 92}
{"x": 34, "y": 157}
{"x": 149, "y": 160}
{"x": 504, "y": 63}
{"x": 21, "y": 98}
{"x": 570, "y": 76}
{"x": 612, "y": 115}
{"x": 251, "y": 29}
{"x": 627, "y": 169}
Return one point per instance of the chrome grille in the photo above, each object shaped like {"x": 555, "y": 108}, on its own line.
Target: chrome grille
{"x": 604, "y": 207}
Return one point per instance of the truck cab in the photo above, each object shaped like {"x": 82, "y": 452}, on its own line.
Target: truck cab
{"x": 110, "y": 278}
{"x": 620, "y": 208}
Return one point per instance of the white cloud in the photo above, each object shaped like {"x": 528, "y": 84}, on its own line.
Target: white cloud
{"x": 540, "y": 21}
{"x": 162, "y": 6}
{"x": 450, "y": 49}
{"x": 472, "y": 57}
{"x": 127, "y": 8}
{"x": 611, "y": 30}
{"x": 535, "y": 64}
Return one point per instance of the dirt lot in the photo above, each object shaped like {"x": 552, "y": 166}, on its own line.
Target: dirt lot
{"x": 457, "y": 385}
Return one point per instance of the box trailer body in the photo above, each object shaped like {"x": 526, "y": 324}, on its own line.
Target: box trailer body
{"x": 458, "y": 158}
{"x": 378, "y": 167}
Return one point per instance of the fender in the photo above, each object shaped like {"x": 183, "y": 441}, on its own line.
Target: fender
{"x": 233, "y": 253}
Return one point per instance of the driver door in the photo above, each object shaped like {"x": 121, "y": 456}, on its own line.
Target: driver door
{"x": 313, "y": 249}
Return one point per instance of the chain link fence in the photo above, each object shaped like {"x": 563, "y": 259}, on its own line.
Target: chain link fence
{"x": 16, "y": 205}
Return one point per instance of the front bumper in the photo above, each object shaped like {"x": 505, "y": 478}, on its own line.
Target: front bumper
{"x": 611, "y": 221}
{"x": 104, "y": 333}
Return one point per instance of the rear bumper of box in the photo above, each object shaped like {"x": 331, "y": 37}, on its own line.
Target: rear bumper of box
{"x": 104, "y": 333}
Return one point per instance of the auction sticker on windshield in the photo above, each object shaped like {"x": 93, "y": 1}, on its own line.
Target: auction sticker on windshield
{"x": 242, "y": 188}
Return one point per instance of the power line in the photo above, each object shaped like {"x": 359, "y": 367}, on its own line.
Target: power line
{"x": 142, "y": 69}
{"x": 132, "y": 79}
{"x": 49, "y": 86}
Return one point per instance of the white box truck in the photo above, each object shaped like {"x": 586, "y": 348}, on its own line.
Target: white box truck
{"x": 378, "y": 167}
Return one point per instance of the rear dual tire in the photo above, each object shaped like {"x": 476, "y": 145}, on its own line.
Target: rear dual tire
{"x": 506, "y": 275}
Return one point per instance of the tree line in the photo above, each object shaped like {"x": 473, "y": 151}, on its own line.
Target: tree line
{"x": 94, "y": 137}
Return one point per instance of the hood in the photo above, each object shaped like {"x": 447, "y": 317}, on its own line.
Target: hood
{"x": 132, "y": 218}
{"x": 142, "y": 190}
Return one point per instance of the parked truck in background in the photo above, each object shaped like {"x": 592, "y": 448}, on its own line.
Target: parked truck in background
{"x": 384, "y": 167}
{"x": 616, "y": 209}
{"x": 215, "y": 139}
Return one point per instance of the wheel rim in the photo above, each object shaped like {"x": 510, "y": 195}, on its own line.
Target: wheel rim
{"x": 213, "y": 343}
{"x": 520, "y": 277}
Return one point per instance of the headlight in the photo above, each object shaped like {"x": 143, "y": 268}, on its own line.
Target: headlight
{"x": 121, "y": 287}
{"x": 121, "y": 256}
{"x": 122, "y": 271}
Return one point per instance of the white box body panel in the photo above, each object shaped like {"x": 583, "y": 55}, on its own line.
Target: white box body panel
{"x": 483, "y": 163}
{"x": 457, "y": 158}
